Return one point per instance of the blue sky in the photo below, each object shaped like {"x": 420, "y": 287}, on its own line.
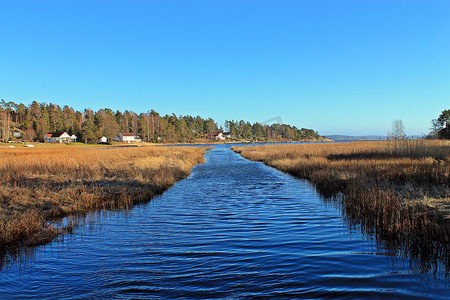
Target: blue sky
{"x": 338, "y": 67}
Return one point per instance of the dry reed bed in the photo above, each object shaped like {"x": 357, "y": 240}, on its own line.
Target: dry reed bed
{"x": 42, "y": 184}
{"x": 396, "y": 189}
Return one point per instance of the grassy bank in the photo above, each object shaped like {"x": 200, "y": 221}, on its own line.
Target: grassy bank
{"x": 41, "y": 184}
{"x": 395, "y": 189}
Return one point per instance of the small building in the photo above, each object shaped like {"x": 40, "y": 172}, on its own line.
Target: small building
{"x": 227, "y": 135}
{"x": 57, "y": 137}
{"x": 73, "y": 138}
{"x": 103, "y": 140}
{"x": 218, "y": 136}
{"x": 126, "y": 137}
{"x": 15, "y": 134}
{"x": 212, "y": 135}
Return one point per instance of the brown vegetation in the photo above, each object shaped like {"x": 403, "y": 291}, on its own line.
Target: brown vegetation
{"x": 397, "y": 189}
{"x": 42, "y": 184}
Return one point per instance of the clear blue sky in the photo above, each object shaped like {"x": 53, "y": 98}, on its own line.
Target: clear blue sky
{"x": 339, "y": 67}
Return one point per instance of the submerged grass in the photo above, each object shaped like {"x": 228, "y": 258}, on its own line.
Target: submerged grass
{"x": 395, "y": 189}
{"x": 38, "y": 185}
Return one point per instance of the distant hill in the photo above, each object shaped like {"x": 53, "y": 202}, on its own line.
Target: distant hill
{"x": 349, "y": 138}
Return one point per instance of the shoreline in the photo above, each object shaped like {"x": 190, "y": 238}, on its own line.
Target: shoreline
{"x": 18, "y": 144}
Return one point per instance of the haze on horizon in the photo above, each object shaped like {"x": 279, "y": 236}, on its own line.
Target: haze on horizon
{"x": 338, "y": 67}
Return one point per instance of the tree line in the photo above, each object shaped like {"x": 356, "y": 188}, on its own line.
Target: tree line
{"x": 245, "y": 130}
{"x": 37, "y": 119}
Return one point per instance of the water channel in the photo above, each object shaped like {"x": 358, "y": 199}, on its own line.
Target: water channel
{"x": 234, "y": 229}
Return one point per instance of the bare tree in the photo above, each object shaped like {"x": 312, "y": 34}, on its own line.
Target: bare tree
{"x": 398, "y": 130}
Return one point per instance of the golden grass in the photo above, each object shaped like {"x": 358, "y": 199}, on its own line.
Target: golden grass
{"x": 47, "y": 183}
{"x": 396, "y": 188}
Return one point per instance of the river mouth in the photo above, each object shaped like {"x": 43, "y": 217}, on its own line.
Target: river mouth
{"x": 232, "y": 229}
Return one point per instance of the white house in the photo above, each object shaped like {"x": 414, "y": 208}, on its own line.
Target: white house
{"x": 73, "y": 138}
{"x": 126, "y": 137}
{"x": 220, "y": 137}
{"x": 57, "y": 137}
{"x": 103, "y": 140}
{"x": 15, "y": 134}
{"x": 227, "y": 135}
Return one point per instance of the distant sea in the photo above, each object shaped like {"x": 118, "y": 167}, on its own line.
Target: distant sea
{"x": 350, "y": 138}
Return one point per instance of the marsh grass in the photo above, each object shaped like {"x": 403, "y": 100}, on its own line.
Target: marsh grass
{"x": 397, "y": 190}
{"x": 38, "y": 185}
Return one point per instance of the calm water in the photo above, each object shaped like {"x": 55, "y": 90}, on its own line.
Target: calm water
{"x": 233, "y": 229}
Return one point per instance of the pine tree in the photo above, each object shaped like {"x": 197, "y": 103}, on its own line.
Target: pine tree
{"x": 88, "y": 131}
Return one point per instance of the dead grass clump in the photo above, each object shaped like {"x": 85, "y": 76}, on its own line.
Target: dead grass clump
{"x": 43, "y": 184}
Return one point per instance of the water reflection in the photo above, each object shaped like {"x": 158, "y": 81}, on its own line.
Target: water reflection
{"x": 425, "y": 253}
{"x": 19, "y": 258}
